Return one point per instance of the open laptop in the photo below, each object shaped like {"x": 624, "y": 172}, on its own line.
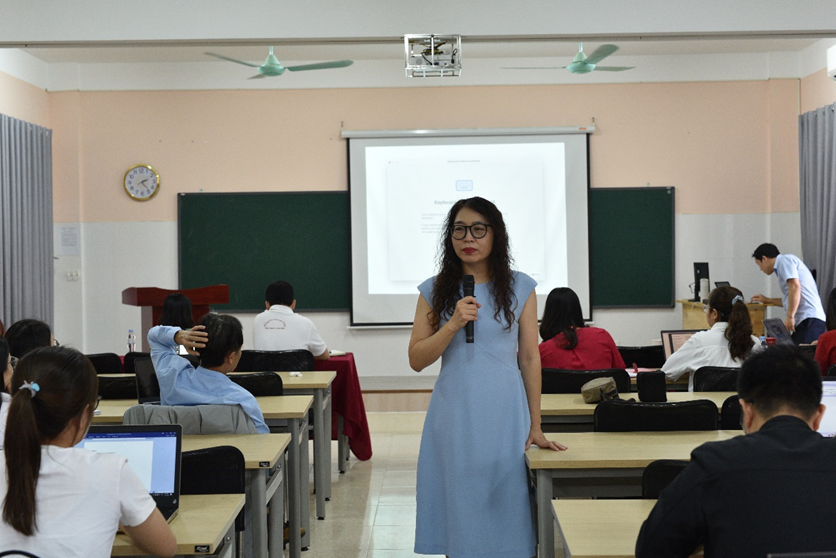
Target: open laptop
{"x": 152, "y": 451}
{"x": 718, "y": 284}
{"x": 673, "y": 339}
{"x": 147, "y": 385}
{"x": 775, "y": 327}
{"x": 827, "y": 427}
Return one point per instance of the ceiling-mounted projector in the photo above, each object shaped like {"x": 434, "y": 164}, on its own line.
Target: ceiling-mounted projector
{"x": 831, "y": 62}
{"x": 433, "y": 55}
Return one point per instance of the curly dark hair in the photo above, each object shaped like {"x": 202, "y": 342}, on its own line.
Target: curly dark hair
{"x": 447, "y": 291}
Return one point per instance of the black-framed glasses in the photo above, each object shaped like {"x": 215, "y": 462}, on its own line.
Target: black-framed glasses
{"x": 478, "y": 230}
{"x": 96, "y": 406}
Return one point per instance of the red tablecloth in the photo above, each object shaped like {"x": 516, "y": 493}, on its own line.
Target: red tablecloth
{"x": 347, "y": 401}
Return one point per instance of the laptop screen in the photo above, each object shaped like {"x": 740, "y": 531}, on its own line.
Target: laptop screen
{"x": 152, "y": 451}
{"x": 673, "y": 340}
{"x": 827, "y": 427}
{"x": 775, "y": 328}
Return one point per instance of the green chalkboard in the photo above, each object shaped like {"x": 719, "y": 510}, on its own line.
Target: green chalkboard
{"x": 249, "y": 240}
{"x": 631, "y": 237}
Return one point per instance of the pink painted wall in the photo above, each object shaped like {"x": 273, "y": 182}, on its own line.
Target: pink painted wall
{"x": 23, "y": 101}
{"x": 817, "y": 90}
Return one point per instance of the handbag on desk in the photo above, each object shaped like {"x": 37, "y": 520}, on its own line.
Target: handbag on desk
{"x": 652, "y": 388}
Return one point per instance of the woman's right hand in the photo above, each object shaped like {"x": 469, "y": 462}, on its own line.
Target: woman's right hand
{"x": 467, "y": 310}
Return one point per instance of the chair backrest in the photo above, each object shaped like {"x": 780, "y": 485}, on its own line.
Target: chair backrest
{"x": 731, "y": 413}
{"x": 196, "y": 419}
{"x": 260, "y": 384}
{"x": 117, "y": 388}
{"x": 147, "y": 385}
{"x": 659, "y": 474}
{"x": 809, "y": 350}
{"x": 831, "y": 371}
{"x": 216, "y": 470}
{"x": 628, "y": 416}
{"x": 557, "y": 380}
{"x": 128, "y": 363}
{"x": 106, "y": 363}
{"x": 715, "y": 378}
{"x": 650, "y": 356}
{"x": 276, "y": 361}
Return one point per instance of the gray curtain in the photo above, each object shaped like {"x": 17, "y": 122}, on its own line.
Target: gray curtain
{"x": 26, "y": 262}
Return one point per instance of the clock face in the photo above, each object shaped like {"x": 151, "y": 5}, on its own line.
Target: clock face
{"x": 142, "y": 182}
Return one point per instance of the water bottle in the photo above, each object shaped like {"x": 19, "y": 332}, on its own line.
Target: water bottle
{"x": 131, "y": 341}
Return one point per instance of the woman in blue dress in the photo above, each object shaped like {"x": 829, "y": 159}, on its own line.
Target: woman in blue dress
{"x": 472, "y": 493}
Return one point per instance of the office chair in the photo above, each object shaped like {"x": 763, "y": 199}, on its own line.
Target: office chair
{"x": 557, "y": 380}
{"x": 106, "y": 363}
{"x": 147, "y": 385}
{"x": 650, "y": 356}
{"x": 659, "y": 474}
{"x": 715, "y": 378}
{"x": 627, "y": 416}
{"x": 128, "y": 363}
{"x": 217, "y": 470}
{"x": 275, "y": 361}
{"x": 731, "y": 414}
{"x": 117, "y": 388}
{"x": 259, "y": 383}
{"x": 831, "y": 371}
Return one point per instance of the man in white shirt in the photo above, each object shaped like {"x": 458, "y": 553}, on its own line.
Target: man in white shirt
{"x": 800, "y": 295}
{"x": 279, "y": 329}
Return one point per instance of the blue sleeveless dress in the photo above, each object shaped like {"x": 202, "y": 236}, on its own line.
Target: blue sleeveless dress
{"x": 472, "y": 487}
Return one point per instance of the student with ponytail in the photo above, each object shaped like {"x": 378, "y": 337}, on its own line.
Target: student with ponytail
{"x": 59, "y": 500}
{"x": 728, "y": 343}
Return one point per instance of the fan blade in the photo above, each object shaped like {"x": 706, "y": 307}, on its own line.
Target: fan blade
{"x": 534, "y": 68}
{"x": 600, "y": 53}
{"x": 257, "y": 76}
{"x": 321, "y": 66}
{"x": 613, "y": 68}
{"x": 231, "y": 59}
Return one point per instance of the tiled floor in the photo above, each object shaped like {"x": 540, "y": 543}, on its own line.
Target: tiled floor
{"x": 372, "y": 509}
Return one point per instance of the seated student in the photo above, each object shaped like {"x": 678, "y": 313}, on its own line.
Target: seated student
{"x": 279, "y": 329}
{"x": 770, "y": 491}
{"x": 5, "y": 397}
{"x": 217, "y": 340}
{"x": 826, "y": 347}
{"x": 728, "y": 342}
{"x": 60, "y": 500}
{"x": 567, "y": 344}
{"x": 27, "y": 335}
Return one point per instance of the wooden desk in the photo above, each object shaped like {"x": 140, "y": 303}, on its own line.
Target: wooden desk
{"x": 201, "y": 526}
{"x": 693, "y": 316}
{"x": 601, "y": 457}
{"x": 566, "y": 412}
{"x": 594, "y": 528}
{"x": 263, "y": 455}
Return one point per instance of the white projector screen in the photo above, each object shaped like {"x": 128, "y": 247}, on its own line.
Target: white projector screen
{"x": 402, "y": 187}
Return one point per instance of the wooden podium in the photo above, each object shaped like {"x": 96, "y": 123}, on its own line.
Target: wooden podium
{"x": 693, "y": 316}
{"x": 151, "y": 300}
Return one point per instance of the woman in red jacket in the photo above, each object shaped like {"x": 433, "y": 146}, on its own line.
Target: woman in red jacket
{"x": 826, "y": 348}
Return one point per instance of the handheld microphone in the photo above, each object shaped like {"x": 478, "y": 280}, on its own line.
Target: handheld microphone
{"x": 467, "y": 289}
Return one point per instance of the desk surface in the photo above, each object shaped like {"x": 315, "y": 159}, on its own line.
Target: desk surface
{"x": 308, "y": 380}
{"x": 620, "y": 450}
{"x": 260, "y": 450}
{"x": 202, "y": 521}
{"x": 595, "y": 528}
{"x": 566, "y": 404}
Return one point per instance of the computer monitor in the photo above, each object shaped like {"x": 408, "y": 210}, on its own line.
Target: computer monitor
{"x": 700, "y": 272}
{"x": 672, "y": 340}
{"x": 719, "y": 284}
{"x": 827, "y": 427}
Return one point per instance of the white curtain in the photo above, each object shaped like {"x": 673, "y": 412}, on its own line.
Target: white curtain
{"x": 26, "y": 261}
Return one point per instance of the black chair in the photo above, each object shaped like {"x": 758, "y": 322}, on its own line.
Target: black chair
{"x": 831, "y": 371}
{"x": 117, "y": 388}
{"x": 627, "y": 416}
{"x": 128, "y": 363}
{"x": 659, "y": 474}
{"x": 106, "y": 363}
{"x": 715, "y": 378}
{"x": 147, "y": 386}
{"x": 731, "y": 414}
{"x": 217, "y": 470}
{"x": 276, "y": 361}
{"x": 557, "y": 380}
{"x": 259, "y": 383}
{"x": 650, "y": 356}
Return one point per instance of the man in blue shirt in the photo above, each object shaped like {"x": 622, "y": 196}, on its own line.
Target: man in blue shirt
{"x": 800, "y": 296}
{"x": 217, "y": 341}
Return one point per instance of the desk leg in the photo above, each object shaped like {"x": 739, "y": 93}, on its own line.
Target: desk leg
{"x": 305, "y": 485}
{"x": 342, "y": 445}
{"x": 327, "y": 445}
{"x": 276, "y": 488}
{"x": 322, "y": 468}
{"x": 257, "y": 502}
{"x": 545, "y": 523}
{"x": 294, "y": 487}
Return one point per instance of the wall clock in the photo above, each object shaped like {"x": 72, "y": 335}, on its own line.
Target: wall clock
{"x": 142, "y": 182}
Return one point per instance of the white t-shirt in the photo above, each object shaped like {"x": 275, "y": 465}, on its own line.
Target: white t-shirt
{"x": 279, "y": 329}
{"x": 704, "y": 348}
{"x": 5, "y": 401}
{"x": 80, "y": 500}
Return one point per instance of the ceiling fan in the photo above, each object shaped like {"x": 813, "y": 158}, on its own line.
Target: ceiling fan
{"x": 272, "y": 67}
{"x": 583, "y": 64}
